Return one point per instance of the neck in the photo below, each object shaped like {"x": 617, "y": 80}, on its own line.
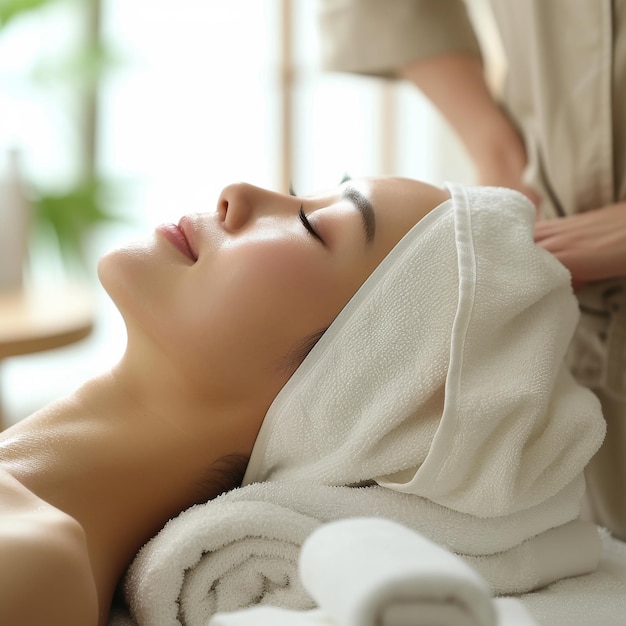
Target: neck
{"x": 122, "y": 455}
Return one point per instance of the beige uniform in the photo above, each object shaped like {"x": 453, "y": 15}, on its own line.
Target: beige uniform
{"x": 566, "y": 91}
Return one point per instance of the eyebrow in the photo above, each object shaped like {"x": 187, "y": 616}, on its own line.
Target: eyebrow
{"x": 364, "y": 206}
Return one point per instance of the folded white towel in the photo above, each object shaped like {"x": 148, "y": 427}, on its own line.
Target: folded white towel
{"x": 591, "y": 600}
{"x": 242, "y": 548}
{"x": 597, "y": 599}
{"x": 369, "y": 571}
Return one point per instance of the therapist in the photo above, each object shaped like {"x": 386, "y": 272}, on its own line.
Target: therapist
{"x": 557, "y": 133}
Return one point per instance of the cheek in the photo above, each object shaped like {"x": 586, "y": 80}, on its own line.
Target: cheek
{"x": 286, "y": 286}
{"x": 253, "y": 308}
{"x": 265, "y": 270}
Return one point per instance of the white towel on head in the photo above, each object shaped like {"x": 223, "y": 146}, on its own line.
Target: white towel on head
{"x": 444, "y": 376}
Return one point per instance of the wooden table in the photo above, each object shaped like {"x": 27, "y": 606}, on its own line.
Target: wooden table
{"x": 42, "y": 318}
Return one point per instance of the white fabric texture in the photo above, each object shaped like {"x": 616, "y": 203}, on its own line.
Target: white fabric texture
{"x": 222, "y": 556}
{"x": 242, "y": 548}
{"x": 596, "y": 598}
{"x": 272, "y": 616}
{"x": 590, "y": 600}
{"x": 510, "y": 612}
{"x": 444, "y": 376}
{"x": 513, "y": 612}
{"x": 370, "y": 571}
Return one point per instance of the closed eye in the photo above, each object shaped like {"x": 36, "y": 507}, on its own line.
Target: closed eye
{"x": 307, "y": 225}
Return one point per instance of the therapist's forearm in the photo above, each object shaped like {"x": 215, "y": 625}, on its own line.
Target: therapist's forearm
{"x": 456, "y": 85}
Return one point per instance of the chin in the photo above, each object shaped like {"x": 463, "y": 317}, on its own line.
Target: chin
{"x": 107, "y": 270}
{"x": 144, "y": 284}
{"x": 126, "y": 273}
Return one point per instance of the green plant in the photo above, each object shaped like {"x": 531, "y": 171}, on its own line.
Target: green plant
{"x": 73, "y": 213}
{"x": 70, "y": 213}
{"x": 10, "y": 9}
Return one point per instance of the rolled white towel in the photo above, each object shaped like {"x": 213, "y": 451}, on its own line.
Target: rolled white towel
{"x": 371, "y": 571}
{"x": 242, "y": 554}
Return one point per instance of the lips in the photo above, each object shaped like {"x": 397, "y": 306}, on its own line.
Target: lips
{"x": 177, "y": 235}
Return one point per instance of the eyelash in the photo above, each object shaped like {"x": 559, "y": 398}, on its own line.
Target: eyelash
{"x": 307, "y": 225}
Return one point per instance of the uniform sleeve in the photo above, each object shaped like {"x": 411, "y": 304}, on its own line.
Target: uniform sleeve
{"x": 376, "y": 37}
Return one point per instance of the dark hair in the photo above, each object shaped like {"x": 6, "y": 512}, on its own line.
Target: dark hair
{"x": 298, "y": 353}
{"x": 223, "y": 475}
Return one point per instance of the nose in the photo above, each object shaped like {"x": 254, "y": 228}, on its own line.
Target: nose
{"x": 240, "y": 203}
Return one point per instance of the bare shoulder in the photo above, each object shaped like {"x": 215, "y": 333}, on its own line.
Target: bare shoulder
{"x": 46, "y": 576}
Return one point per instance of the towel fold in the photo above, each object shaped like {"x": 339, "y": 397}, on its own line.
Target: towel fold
{"x": 598, "y": 598}
{"x": 370, "y": 571}
{"x": 219, "y": 557}
{"x": 444, "y": 376}
{"x": 242, "y": 548}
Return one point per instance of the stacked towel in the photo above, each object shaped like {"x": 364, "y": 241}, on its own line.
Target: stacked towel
{"x": 596, "y": 598}
{"x": 369, "y": 571}
{"x": 442, "y": 382}
{"x": 242, "y": 548}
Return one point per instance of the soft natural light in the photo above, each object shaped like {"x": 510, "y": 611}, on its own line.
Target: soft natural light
{"x": 192, "y": 104}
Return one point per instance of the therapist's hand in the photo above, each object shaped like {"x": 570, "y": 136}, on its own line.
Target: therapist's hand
{"x": 591, "y": 245}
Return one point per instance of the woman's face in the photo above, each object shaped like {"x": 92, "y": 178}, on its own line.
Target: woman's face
{"x": 227, "y": 295}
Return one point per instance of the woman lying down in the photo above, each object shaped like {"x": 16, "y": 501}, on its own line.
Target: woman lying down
{"x": 438, "y": 375}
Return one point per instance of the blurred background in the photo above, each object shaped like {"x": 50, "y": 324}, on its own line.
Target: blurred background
{"x": 116, "y": 116}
